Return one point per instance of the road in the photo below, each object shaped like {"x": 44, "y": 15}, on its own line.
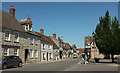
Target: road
{"x": 66, "y": 65}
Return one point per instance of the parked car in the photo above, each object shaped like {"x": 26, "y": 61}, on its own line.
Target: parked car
{"x": 118, "y": 60}
{"x": 11, "y": 61}
{"x": 74, "y": 55}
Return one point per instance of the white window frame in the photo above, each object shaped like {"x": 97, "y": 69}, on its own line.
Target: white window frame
{"x": 31, "y": 40}
{"x": 36, "y": 53}
{"x": 43, "y": 46}
{"x": 8, "y": 35}
{"x": 17, "y": 37}
{"x": 16, "y": 52}
{"x": 31, "y": 53}
{"x": 44, "y": 57}
{"x": 7, "y": 52}
{"x": 36, "y": 41}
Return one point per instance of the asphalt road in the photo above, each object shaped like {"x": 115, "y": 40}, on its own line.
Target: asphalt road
{"x": 66, "y": 65}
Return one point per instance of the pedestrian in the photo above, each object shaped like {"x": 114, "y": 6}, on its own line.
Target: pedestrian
{"x": 81, "y": 59}
{"x": 86, "y": 59}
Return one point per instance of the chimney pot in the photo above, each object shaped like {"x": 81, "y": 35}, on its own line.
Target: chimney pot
{"x": 12, "y": 10}
{"x": 42, "y": 31}
{"x": 12, "y": 6}
{"x": 54, "y": 35}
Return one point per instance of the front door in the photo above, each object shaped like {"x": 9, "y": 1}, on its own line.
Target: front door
{"x": 47, "y": 56}
{"x": 26, "y": 55}
{"x": 60, "y": 54}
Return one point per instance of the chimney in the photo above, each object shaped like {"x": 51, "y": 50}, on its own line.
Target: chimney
{"x": 59, "y": 39}
{"x": 12, "y": 10}
{"x": 29, "y": 20}
{"x": 42, "y": 31}
{"x": 54, "y": 35}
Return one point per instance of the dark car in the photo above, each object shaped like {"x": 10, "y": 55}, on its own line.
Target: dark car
{"x": 11, "y": 61}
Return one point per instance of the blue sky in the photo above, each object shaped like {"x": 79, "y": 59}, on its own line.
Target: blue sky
{"x": 72, "y": 20}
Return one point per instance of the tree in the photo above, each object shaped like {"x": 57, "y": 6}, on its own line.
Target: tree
{"x": 107, "y": 35}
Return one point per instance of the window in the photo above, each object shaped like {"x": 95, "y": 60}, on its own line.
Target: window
{"x": 43, "y": 46}
{"x": 36, "y": 53}
{"x": 5, "y": 52}
{"x": 50, "y": 54}
{"x": 31, "y": 53}
{"x": 49, "y": 47}
{"x": 16, "y": 52}
{"x": 16, "y": 37}
{"x": 43, "y": 56}
{"x": 36, "y": 41}
{"x": 31, "y": 40}
{"x": 7, "y": 35}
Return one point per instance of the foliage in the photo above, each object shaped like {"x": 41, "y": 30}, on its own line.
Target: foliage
{"x": 107, "y": 35}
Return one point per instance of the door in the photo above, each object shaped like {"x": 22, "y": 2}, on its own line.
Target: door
{"x": 26, "y": 55}
{"x": 60, "y": 54}
{"x": 47, "y": 56}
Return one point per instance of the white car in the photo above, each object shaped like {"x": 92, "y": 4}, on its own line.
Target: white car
{"x": 75, "y": 55}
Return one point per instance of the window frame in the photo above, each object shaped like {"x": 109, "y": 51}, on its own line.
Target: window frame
{"x": 36, "y": 52}
{"x": 8, "y": 35}
{"x": 31, "y": 41}
{"x": 7, "y": 52}
{"x": 17, "y": 37}
{"x": 36, "y": 41}
{"x": 31, "y": 53}
{"x": 17, "y": 52}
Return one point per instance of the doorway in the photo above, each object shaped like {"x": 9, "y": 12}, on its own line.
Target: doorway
{"x": 60, "y": 54}
{"x": 47, "y": 56}
{"x": 26, "y": 55}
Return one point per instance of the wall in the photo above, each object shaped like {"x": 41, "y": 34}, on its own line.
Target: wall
{"x": 46, "y": 50}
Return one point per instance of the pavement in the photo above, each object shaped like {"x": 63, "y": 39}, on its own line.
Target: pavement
{"x": 67, "y": 65}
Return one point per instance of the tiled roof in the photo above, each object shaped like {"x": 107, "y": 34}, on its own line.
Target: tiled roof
{"x": 10, "y": 22}
{"x": 47, "y": 39}
{"x": 66, "y": 46}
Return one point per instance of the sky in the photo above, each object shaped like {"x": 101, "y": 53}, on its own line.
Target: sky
{"x": 71, "y": 20}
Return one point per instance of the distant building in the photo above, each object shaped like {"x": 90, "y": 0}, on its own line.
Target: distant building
{"x": 46, "y": 46}
{"x": 67, "y": 50}
{"x": 90, "y": 47}
{"x": 57, "y": 52}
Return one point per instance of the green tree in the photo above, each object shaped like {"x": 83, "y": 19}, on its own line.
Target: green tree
{"x": 107, "y": 35}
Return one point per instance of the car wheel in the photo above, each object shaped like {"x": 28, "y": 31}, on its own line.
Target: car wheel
{"x": 20, "y": 64}
{"x": 4, "y": 66}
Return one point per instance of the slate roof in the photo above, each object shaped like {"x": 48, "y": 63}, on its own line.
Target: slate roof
{"x": 10, "y": 22}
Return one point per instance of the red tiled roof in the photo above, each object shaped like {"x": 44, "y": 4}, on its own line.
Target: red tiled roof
{"x": 47, "y": 39}
{"x": 66, "y": 46}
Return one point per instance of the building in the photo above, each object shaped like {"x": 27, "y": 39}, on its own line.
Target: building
{"x": 67, "y": 50}
{"x": 18, "y": 41}
{"x": 90, "y": 47}
{"x": 47, "y": 46}
{"x": 12, "y": 34}
{"x": 57, "y": 52}
{"x": 80, "y": 51}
